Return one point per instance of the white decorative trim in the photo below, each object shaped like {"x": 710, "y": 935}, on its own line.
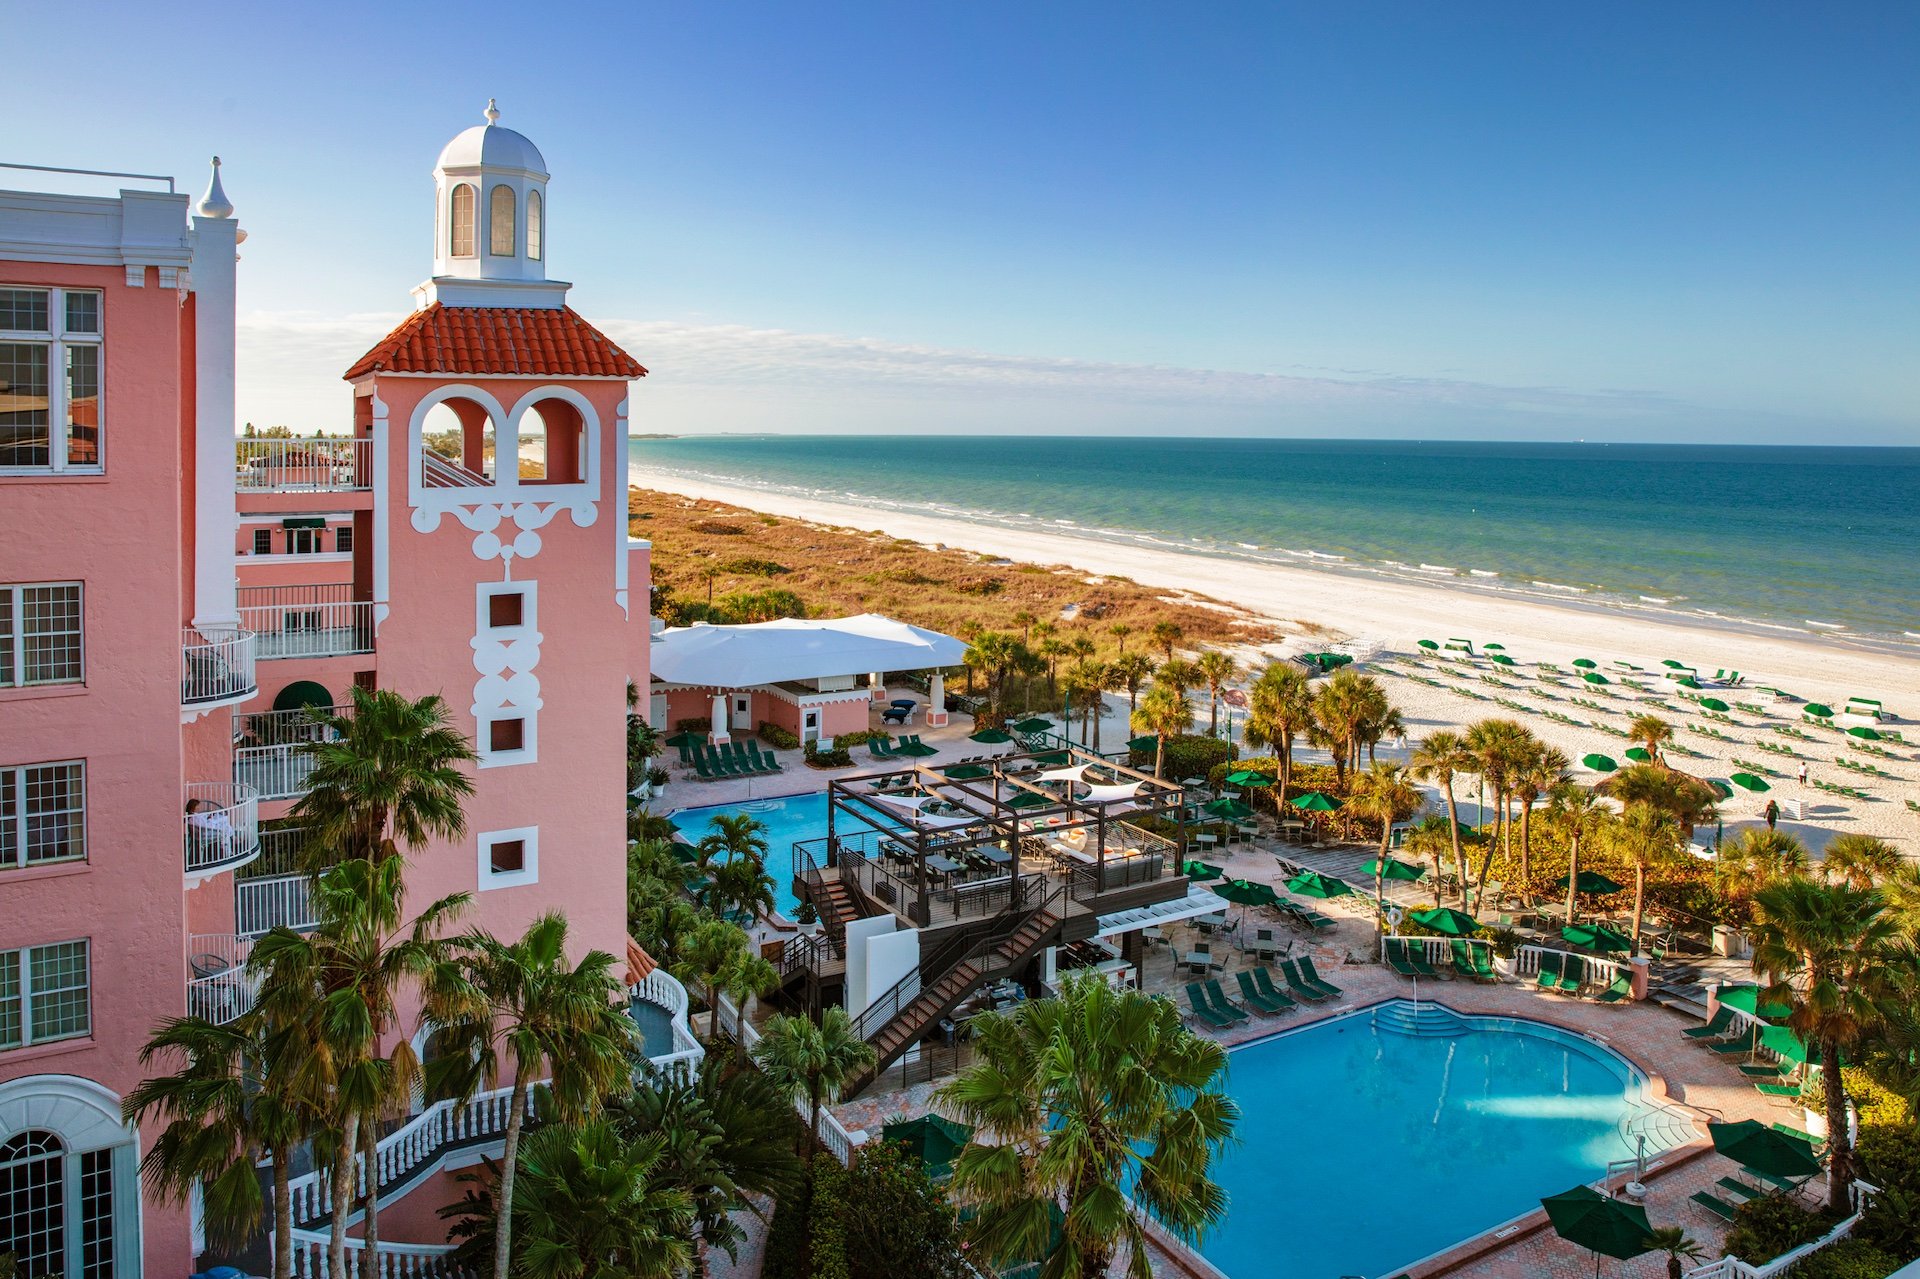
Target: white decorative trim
{"x": 382, "y": 513}
{"x": 530, "y": 505}
{"x": 84, "y": 1114}
{"x": 136, "y": 275}
{"x": 622, "y": 545}
{"x": 507, "y": 688}
{"x": 530, "y": 871}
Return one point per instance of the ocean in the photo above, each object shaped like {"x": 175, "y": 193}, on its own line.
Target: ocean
{"x": 1819, "y": 540}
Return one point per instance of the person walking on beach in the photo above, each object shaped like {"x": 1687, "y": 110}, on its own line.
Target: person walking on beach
{"x": 1803, "y": 772}
{"x": 1773, "y": 813}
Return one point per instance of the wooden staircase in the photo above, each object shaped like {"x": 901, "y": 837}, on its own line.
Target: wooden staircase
{"x": 995, "y": 956}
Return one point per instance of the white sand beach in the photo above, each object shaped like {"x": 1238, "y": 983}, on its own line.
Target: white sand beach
{"x": 1324, "y": 607}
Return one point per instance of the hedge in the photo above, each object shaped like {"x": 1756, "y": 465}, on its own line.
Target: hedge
{"x": 777, "y": 737}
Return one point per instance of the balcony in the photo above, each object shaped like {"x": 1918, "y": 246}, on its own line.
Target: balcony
{"x": 219, "y": 988}
{"x": 220, "y": 829}
{"x": 313, "y": 464}
{"x": 267, "y": 749}
{"x": 274, "y": 891}
{"x": 307, "y": 621}
{"x": 216, "y": 666}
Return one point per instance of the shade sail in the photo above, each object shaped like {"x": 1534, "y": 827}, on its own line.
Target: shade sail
{"x": 1395, "y": 869}
{"x": 1754, "y": 1145}
{"x": 1445, "y": 919}
{"x": 1599, "y": 1223}
{"x": 1071, "y": 773}
{"x": 1110, "y": 794}
{"x": 1314, "y": 802}
{"x": 1599, "y": 763}
{"x": 1311, "y": 883}
{"x": 797, "y": 648}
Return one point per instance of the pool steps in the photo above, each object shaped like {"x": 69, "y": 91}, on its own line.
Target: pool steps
{"x": 1426, "y": 1021}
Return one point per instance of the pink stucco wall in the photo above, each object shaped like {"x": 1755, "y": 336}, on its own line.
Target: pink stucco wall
{"x": 122, "y": 536}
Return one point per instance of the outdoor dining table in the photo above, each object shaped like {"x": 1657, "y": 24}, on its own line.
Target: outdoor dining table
{"x": 998, "y": 856}
{"x": 941, "y": 865}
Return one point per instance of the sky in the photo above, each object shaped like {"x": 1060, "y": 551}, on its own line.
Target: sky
{"x": 1629, "y": 221}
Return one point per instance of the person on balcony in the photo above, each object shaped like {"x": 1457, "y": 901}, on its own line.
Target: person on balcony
{"x": 210, "y": 830}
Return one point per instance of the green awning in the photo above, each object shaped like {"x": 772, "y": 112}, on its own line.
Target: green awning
{"x": 304, "y": 521}
{"x": 301, "y": 694}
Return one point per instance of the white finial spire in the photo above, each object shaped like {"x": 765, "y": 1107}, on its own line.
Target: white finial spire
{"x": 492, "y": 112}
{"x": 214, "y": 204}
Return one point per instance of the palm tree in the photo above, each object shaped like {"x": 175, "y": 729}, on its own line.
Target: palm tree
{"x": 731, "y": 837}
{"x": 1278, "y": 710}
{"x": 1097, "y": 1101}
{"x": 1383, "y": 794}
{"x": 1166, "y": 635}
{"x": 1689, "y": 801}
{"x": 1165, "y": 713}
{"x": 1860, "y": 860}
{"x": 1543, "y": 768}
{"x": 388, "y": 774}
{"x": 707, "y": 958}
{"x": 1499, "y": 747}
{"x": 1428, "y": 837}
{"x": 1217, "y": 669}
{"x": 526, "y": 1011}
{"x": 1083, "y": 683}
{"x": 1132, "y": 670}
{"x": 1120, "y": 631}
{"x": 1757, "y": 858}
{"x": 234, "y": 1098}
{"x": 1644, "y": 837}
{"x": 996, "y": 653}
{"x": 1819, "y": 947}
{"x": 343, "y": 983}
{"x": 742, "y": 885}
{"x": 1579, "y": 813}
{"x": 1679, "y": 1247}
{"x": 812, "y": 1061}
{"x": 1024, "y": 619}
{"x": 1440, "y": 758}
{"x": 1052, "y": 650}
{"x": 1651, "y": 732}
{"x": 1343, "y": 709}
{"x": 1179, "y": 673}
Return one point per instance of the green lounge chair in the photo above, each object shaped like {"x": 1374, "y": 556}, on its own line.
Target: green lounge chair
{"x": 703, "y": 771}
{"x": 1398, "y": 959}
{"x": 1313, "y": 977}
{"x": 1298, "y": 986}
{"x": 1741, "y": 1043}
{"x": 1263, "y": 980}
{"x": 1619, "y": 988}
{"x": 1572, "y": 974}
{"x": 1786, "y": 1092}
{"x": 1713, "y": 1204}
{"x": 1252, "y": 997}
{"x": 723, "y": 763}
{"x": 1549, "y": 970}
{"x": 1462, "y": 954}
{"x": 765, "y": 759}
{"x": 1483, "y": 962}
{"x": 879, "y": 749}
{"x": 1218, "y": 998}
{"x": 1767, "y": 1070}
{"x": 1722, "y": 1021}
{"x": 1738, "y": 1188}
{"x": 1203, "y": 1008}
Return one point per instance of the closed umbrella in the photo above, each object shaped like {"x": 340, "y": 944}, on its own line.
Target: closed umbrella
{"x": 1595, "y": 677}
{"x": 1713, "y": 704}
{"x": 1227, "y": 810}
{"x": 1599, "y": 763}
{"x": 1395, "y": 869}
{"x": 1590, "y": 881}
{"x": 1754, "y": 1145}
{"x": 1445, "y": 919}
{"x": 1601, "y": 1224}
{"x": 1747, "y": 781}
{"x": 1026, "y": 727}
{"x": 990, "y": 736}
{"x": 1864, "y": 733}
{"x": 1639, "y": 754}
{"x": 1747, "y": 999}
{"x": 1585, "y": 663}
{"x": 1597, "y": 937}
{"x": 1248, "y": 778}
{"x": 1818, "y": 710}
{"x": 1202, "y": 870}
{"x": 1311, "y": 883}
{"x": 932, "y": 1139}
{"x": 1314, "y": 802}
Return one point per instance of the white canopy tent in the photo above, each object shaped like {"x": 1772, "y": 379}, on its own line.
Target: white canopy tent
{"x": 797, "y": 648}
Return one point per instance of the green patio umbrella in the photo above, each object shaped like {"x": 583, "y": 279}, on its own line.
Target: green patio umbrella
{"x": 1601, "y": 1224}
{"x": 1713, "y": 704}
{"x": 1430, "y": 646}
{"x": 990, "y": 736}
{"x": 1138, "y": 744}
{"x": 967, "y": 772}
{"x": 1639, "y": 754}
{"x": 1687, "y": 681}
{"x": 1597, "y": 937}
{"x": 932, "y": 1139}
{"x": 1599, "y": 763}
{"x": 1817, "y": 710}
{"x": 1864, "y": 733}
{"x": 1501, "y": 659}
{"x": 1314, "y": 802}
{"x": 1052, "y": 759}
{"x": 1202, "y": 870}
{"x": 1783, "y": 1042}
{"x": 1247, "y": 777}
{"x": 1585, "y": 663}
{"x": 1404, "y": 872}
{"x": 1747, "y": 781}
{"x": 1746, "y": 999}
{"x": 1227, "y": 810}
{"x": 1445, "y": 919}
{"x": 1027, "y": 799}
{"x": 682, "y": 740}
{"x": 1035, "y": 724}
{"x": 1720, "y": 788}
{"x": 1754, "y": 1145}
{"x": 1596, "y": 678}
{"x": 1311, "y": 883}
{"x": 1590, "y": 881}
{"x": 1243, "y": 892}
{"x": 1494, "y": 648}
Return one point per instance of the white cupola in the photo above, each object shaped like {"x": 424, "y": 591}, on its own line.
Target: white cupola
{"x": 490, "y": 222}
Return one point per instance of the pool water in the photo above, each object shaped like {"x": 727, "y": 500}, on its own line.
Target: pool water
{"x": 1373, "y": 1140}
{"x": 787, "y": 821}
{"x": 655, "y": 1025}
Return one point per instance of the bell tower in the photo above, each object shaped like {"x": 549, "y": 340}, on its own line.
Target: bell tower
{"x": 490, "y": 237}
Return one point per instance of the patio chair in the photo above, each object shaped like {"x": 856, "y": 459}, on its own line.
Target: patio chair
{"x": 1401, "y": 961}
{"x": 704, "y": 771}
{"x": 1203, "y": 1009}
{"x": 1298, "y": 985}
{"x": 1745, "y": 1042}
{"x": 1313, "y": 977}
{"x": 1573, "y": 975}
{"x": 1264, "y": 945}
{"x": 1218, "y": 998}
{"x": 1771, "y": 1071}
{"x": 1738, "y": 1188}
{"x": 1781, "y": 1091}
{"x": 1462, "y": 954}
{"x": 1713, "y": 1204}
{"x": 1253, "y": 997}
{"x": 1482, "y": 962}
{"x": 1263, "y": 982}
{"x": 1722, "y": 1020}
{"x": 1621, "y": 987}
{"x": 1549, "y": 970}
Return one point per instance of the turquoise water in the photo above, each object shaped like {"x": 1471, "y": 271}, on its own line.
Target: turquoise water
{"x": 787, "y": 821}
{"x": 1363, "y": 1149}
{"x": 1820, "y": 540}
{"x": 655, "y": 1025}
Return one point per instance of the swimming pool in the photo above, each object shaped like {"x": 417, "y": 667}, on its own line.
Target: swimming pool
{"x": 1374, "y": 1139}
{"x": 797, "y": 817}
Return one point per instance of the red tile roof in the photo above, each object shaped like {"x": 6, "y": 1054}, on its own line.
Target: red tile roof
{"x": 487, "y": 339}
{"x": 639, "y": 962}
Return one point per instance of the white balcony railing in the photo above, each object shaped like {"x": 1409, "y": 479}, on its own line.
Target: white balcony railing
{"x": 267, "y": 748}
{"x": 309, "y": 465}
{"x": 219, "y": 988}
{"x": 220, "y": 827}
{"x": 216, "y": 665}
{"x": 331, "y": 628}
{"x": 263, "y": 904}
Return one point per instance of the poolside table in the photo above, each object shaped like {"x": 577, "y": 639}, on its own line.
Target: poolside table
{"x": 998, "y": 856}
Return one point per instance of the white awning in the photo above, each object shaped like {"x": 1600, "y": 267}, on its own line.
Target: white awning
{"x": 1109, "y": 794}
{"x": 1198, "y": 901}
{"x": 1071, "y": 773}
{"x": 797, "y": 648}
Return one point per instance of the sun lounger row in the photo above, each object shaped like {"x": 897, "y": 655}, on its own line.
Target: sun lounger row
{"x": 908, "y": 747}
{"x": 732, "y": 759}
{"x": 1568, "y": 974}
{"x": 1465, "y": 959}
{"x": 1211, "y": 1006}
{"x": 1834, "y": 788}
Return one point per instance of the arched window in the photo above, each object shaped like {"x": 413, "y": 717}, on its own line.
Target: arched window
{"x": 457, "y": 445}
{"x": 500, "y": 235}
{"x": 552, "y": 444}
{"x": 460, "y": 222}
{"x": 534, "y": 212}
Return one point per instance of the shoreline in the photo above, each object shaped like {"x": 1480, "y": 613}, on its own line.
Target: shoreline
{"x": 1369, "y": 605}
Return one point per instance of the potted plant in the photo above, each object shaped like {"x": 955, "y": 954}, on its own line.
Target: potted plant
{"x": 1813, "y": 1103}
{"x": 1506, "y": 946}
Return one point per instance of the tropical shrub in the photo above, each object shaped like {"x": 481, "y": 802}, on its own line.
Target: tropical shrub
{"x": 1849, "y": 1259}
{"x": 778, "y": 738}
{"x": 880, "y": 1219}
{"x": 1769, "y": 1225}
{"x": 833, "y": 757}
{"x": 1192, "y": 755}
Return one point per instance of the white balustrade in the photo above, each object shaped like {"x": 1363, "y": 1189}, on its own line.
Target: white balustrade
{"x": 320, "y": 628}
{"x": 220, "y": 827}
{"x": 662, "y": 989}
{"x": 305, "y": 465}
{"x": 219, "y": 988}
{"x": 274, "y": 901}
{"x": 1526, "y": 963}
{"x": 216, "y": 664}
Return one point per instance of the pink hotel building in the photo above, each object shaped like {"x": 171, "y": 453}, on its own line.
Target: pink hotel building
{"x": 171, "y": 597}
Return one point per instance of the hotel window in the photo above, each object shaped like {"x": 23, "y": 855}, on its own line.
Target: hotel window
{"x": 40, "y": 641}
{"x": 500, "y": 237}
{"x": 56, "y": 1207}
{"x": 506, "y": 610}
{"x": 44, "y": 994}
{"x": 536, "y": 212}
{"x": 306, "y": 541}
{"x": 509, "y": 858}
{"x": 505, "y": 736}
{"x": 43, "y": 814}
{"x": 263, "y": 541}
{"x": 49, "y": 380}
{"x": 460, "y": 223}
{"x": 343, "y": 539}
